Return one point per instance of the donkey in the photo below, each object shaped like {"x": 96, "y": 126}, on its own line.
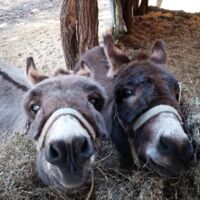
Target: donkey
{"x": 146, "y": 123}
{"x": 13, "y": 84}
{"x": 65, "y": 122}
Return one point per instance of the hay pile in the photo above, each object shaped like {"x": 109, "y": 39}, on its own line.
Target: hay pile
{"x": 18, "y": 179}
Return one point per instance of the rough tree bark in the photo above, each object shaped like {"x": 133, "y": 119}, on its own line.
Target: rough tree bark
{"x": 143, "y": 8}
{"x": 127, "y": 11}
{"x": 87, "y": 29}
{"x": 68, "y": 32}
{"x": 79, "y": 28}
{"x": 135, "y": 6}
{"x": 131, "y": 8}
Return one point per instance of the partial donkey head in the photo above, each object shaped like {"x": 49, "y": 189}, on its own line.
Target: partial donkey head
{"x": 66, "y": 124}
{"x": 147, "y": 109}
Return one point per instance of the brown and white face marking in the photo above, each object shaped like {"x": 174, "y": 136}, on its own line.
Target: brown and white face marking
{"x": 147, "y": 109}
{"x": 66, "y": 124}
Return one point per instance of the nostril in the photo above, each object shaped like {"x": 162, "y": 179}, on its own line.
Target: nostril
{"x": 55, "y": 152}
{"x": 164, "y": 145}
{"x": 86, "y": 148}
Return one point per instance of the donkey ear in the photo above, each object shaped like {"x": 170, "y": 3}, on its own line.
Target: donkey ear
{"x": 158, "y": 53}
{"x": 84, "y": 70}
{"x": 115, "y": 56}
{"x": 34, "y": 76}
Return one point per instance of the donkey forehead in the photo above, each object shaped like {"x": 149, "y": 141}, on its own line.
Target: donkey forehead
{"x": 136, "y": 73}
{"x": 72, "y": 82}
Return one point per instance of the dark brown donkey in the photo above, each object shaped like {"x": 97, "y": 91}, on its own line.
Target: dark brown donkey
{"x": 145, "y": 118}
{"x": 64, "y": 121}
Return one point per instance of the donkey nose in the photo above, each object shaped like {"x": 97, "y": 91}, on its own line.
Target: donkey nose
{"x": 59, "y": 151}
{"x": 165, "y": 144}
{"x": 83, "y": 147}
{"x": 55, "y": 152}
{"x": 183, "y": 148}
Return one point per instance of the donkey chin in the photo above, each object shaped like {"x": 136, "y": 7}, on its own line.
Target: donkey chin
{"x": 60, "y": 177}
{"x": 66, "y": 152}
{"x": 168, "y": 151}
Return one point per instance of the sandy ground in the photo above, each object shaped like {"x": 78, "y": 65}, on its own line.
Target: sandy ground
{"x": 32, "y": 28}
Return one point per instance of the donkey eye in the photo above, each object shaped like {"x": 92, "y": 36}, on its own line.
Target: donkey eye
{"x": 125, "y": 93}
{"x": 95, "y": 101}
{"x": 35, "y": 108}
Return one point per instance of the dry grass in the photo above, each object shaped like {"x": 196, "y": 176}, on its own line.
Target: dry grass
{"x": 18, "y": 179}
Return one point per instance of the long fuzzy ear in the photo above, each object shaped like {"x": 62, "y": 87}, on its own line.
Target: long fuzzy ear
{"x": 158, "y": 53}
{"x": 114, "y": 55}
{"x": 33, "y": 74}
{"x": 84, "y": 70}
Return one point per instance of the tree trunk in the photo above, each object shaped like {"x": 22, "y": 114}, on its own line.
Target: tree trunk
{"x": 127, "y": 11}
{"x": 118, "y": 15}
{"x": 68, "y": 32}
{"x": 143, "y": 8}
{"x": 135, "y": 6}
{"x": 130, "y": 8}
{"x": 87, "y": 29}
{"x": 79, "y": 28}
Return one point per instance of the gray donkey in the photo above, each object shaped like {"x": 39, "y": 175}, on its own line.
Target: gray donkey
{"x": 64, "y": 121}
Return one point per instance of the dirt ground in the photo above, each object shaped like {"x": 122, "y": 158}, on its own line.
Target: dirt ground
{"x": 32, "y": 28}
{"x": 181, "y": 33}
